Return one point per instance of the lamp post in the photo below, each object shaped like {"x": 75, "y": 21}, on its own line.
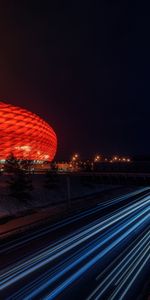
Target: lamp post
{"x": 75, "y": 161}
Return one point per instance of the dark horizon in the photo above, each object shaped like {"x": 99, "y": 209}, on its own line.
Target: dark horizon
{"x": 84, "y": 69}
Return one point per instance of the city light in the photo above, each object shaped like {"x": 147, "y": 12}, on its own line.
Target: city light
{"x": 120, "y": 159}
{"x": 75, "y": 157}
{"x": 97, "y": 158}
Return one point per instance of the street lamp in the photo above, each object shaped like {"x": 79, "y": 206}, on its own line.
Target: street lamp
{"x": 97, "y": 158}
{"x": 75, "y": 161}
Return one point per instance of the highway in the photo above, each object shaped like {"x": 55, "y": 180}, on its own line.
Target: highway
{"x": 101, "y": 253}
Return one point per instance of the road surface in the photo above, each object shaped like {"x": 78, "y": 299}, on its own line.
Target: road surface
{"x": 101, "y": 253}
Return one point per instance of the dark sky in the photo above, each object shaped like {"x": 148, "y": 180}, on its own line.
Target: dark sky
{"x": 84, "y": 67}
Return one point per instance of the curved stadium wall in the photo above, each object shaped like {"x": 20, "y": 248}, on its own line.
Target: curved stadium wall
{"x": 25, "y": 134}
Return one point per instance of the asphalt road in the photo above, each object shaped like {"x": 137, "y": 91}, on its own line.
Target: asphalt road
{"x": 101, "y": 253}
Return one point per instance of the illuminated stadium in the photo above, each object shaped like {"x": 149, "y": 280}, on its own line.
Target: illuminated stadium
{"x": 25, "y": 134}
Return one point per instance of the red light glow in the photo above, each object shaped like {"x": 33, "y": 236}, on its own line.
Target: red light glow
{"x": 25, "y": 134}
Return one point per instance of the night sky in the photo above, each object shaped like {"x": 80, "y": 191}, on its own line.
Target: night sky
{"x": 84, "y": 67}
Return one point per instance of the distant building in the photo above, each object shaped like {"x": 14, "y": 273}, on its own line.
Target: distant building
{"x": 64, "y": 166}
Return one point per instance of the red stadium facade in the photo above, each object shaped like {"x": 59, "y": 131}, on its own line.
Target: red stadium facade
{"x": 25, "y": 134}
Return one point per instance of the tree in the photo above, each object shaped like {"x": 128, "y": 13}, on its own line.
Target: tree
{"x": 11, "y": 164}
{"x": 19, "y": 181}
{"x": 20, "y": 186}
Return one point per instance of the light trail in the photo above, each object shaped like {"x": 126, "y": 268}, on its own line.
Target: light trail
{"x": 20, "y": 241}
{"x": 143, "y": 259}
{"x": 89, "y": 265}
{"x": 77, "y": 261}
{"x": 45, "y": 257}
{"x": 55, "y": 268}
{"x": 121, "y": 267}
